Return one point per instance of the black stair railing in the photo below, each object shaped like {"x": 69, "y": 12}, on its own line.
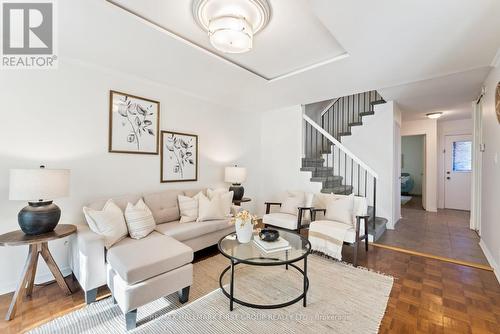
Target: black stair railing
{"x": 340, "y": 171}
{"x": 347, "y": 111}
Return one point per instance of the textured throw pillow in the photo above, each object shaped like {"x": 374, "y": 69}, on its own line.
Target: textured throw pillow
{"x": 108, "y": 222}
{"x": 188, "y": 206}
{"x": 291, "y": 205}
{"x": 210, "y": 209}
{"x": 340, "y": 209}
{"x": 140, "y": 221}
{"x": 225, "y": 196}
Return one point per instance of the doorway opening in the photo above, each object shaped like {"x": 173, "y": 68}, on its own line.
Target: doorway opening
{"x": 413, "y": 172}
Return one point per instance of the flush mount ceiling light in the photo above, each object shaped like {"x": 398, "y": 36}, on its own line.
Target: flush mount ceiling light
{"x": 231, "y": 24}
{"x": 434, "y": 115}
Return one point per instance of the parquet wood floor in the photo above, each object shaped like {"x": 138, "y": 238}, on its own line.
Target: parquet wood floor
{"x": 428, "y": 296}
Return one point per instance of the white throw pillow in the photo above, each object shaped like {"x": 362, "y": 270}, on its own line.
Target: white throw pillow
{"x": 140, "y": 221}
{"x": 291, "y": 205}
{"x": 210, "y": 209}
{"x": 188, "y": 207}
{"x": 340, "y": 209}
{"x": 108, "y": 222}
{"x": 225, "y": 196}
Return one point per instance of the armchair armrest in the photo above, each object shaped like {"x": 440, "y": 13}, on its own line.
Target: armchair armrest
{"x": 268, "y": 206}
{"x": 358, "y": 223}
{"x": 301, "y": 214}
{"x": 314, "y": 211}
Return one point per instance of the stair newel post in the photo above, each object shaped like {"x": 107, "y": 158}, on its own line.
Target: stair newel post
{"x": 374, "y": 201}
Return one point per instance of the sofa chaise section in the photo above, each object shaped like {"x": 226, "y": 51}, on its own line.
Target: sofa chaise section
{"x": 137, "y": 275}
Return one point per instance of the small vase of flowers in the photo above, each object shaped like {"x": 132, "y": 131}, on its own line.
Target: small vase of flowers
{"x": 244, "y": 223}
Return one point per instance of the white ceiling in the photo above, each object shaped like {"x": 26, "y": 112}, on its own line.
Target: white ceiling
{"x": 390, "y": 43}
{"x": 452, "y": 95}
{"x": 293, "y": 21}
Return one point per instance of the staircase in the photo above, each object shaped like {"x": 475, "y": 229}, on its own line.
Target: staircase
{"x": 337, "y": 169}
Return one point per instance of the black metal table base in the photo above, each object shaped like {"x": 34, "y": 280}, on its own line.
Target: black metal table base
{"x": 233, "y": 300}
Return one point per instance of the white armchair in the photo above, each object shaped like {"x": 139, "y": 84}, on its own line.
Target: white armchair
{"x": 327, "y": 229}
{"x": 286, "y": 220}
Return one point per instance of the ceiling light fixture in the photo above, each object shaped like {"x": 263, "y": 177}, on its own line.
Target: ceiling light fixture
{"x": 434, "y": 115}
{"x": 231, "y": 24}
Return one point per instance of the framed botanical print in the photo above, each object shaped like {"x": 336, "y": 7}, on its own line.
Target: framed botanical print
{"x": 179, "y": 157}
{"x": 134, "y": 124}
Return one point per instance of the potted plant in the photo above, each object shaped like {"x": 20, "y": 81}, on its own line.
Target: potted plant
{"x": 244, "y": 223}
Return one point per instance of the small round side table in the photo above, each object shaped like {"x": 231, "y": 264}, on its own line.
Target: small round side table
{"x": 38, "y": 245}
{"x": 238, "y": 202}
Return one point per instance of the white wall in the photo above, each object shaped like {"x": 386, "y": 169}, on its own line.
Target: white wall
{"x": 374, "y": 143}
{"x": 412, "y": 149}
{"x": 314, "y": 110}
{"x": 60, "y": 118}
{"x": 427, "y": 127}
{"x": 490, "y": 211}
{"x": 446, "y": 128}
{"x": 281, "y": 142}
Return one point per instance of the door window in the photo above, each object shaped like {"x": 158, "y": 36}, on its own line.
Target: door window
{"x": 462, "y": 156}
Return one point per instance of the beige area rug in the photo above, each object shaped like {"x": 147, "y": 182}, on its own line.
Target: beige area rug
{"x": 341, "y": 299}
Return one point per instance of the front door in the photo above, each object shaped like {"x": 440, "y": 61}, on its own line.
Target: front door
{"x": 458, "y": 168}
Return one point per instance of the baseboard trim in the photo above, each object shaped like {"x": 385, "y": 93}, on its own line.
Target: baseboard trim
{"x": 40, "y": 279}
{"x": 490, "y": 259}
{"x": 439, "y": 258}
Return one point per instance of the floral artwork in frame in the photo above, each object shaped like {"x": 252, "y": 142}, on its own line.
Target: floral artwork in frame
{"x": 134, "y": 124}
{"x": 179, "y": 157}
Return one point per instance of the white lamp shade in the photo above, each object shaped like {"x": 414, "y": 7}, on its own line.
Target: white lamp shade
{"x": 38, "y": 184}
{"x": 235, "y": 174}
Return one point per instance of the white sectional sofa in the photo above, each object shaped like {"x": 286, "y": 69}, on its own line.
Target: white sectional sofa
{"x": 89, "y": 256}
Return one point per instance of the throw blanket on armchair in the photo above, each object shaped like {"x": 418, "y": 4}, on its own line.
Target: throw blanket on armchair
{"x": 328, "y": 237}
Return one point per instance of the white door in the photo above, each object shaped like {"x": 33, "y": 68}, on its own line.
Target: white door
{"x": 458, "y": 168}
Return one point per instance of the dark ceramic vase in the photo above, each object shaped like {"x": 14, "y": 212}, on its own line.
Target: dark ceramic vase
{"x": 39, "y": 217}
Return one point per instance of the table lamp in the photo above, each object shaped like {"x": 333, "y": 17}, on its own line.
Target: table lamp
{"x": 236, "y": 175}
{"x": 39, "y": 187}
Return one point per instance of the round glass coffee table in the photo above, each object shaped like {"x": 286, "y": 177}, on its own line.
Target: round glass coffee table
{"x": 251, "y": 254}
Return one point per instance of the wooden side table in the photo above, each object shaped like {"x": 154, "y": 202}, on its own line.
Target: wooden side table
{"x": 38, "y": 245}
{"x": 243, "y": 200}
